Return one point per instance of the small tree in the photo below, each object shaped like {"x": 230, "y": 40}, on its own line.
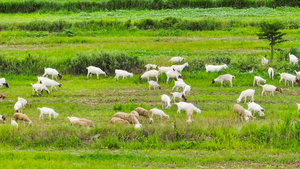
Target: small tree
{"x": 270, "y": 31}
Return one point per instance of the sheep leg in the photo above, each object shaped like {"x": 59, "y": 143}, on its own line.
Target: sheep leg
{"x": 178, "y": 111}
{"x": 49, "y": 116}
{"x": 254, "y": 83}
{"x": 97, "y": 76}
{"x": 123, "y": 77}
{"x": 32, "y": 91}
{"x": 87, "y": 76}
{"x": 230, "y": 83}
{"x": 262, "y": 93}
{"x": 54, "y": 87}
{"x": 167, "y": 80}
{"x": 156, "y": 78}
{"x": 40, "y": 116}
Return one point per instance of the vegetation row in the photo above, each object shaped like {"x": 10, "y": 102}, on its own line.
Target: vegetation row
{"x": 28, "y": 6}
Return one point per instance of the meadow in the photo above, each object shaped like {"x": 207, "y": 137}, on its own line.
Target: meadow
{"x": 214, "y": 139}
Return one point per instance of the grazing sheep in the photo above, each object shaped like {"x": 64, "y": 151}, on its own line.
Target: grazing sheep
{"x": 173, "y": 74}
{"x": 288, "y": 78}
{"x": 158, "y": 112}
{"x": 271, "y": 73}
{"x": 3, "y": 82}
{"x": 239, "y": 111}
{"x": 48, "y": 111}
{"x": 2, "y": 118}
{"x": 298, "y": 74}
{"x": 165, "y": 100}
{"x": 256, "y": 108}
{"x": 150, "y": 73}
{"x": 264, "y": 61}
{"x": 95, "y": 70}
{"x": 248, "y": 115}
{"x": 183, "y": 106}
{"x": 189, "y": 114}
{"x": 135, "y": 113}
{"x": 258, "y": 79}
{"x": 18, "y": 106}
{"x": 154, "y": 85}
{"x": 13, "y": 123}
{"x": 298, "y": 104}
{"x": 223, "y": 78}
{"x": 179, "y": 84}
{"x": 293, "y": 59}
{"x": 186, "y": 90}
{"x": 215, "y": 68}
{"x": 88, "y": 122}
{"x": 73, "y": 118}
{"x": 179, "y": 68}
{"x": 122, "y": 73}
{"x": 176, "y": 59}
{"x": 129, "y": 117}
{"x": 270, "y": 88}
{"x": 245, "y": 94}
{"x": 163, "y": 69}
{"x": 23, "y": 117}
{"x": 117, "y": 120}
{"x": 2, "y": 96}
{"x": 39, "y": 87}
{"x": 178, "y": 95}
{"x": 51, "y": 83}
{"x": 79, "y": 123}
{"x": 149, "y": 66}
{"x": 143, "y": 112}
{"x": 24, "y": 102}
{"x": 40, "y": 79}
{"x": 53, "y": 72}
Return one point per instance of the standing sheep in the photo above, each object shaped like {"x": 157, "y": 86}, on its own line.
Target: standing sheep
{"x": 53, "y": 72}
{"x": 270, "y": 88}
{"x": 165, "y": 99}
{"x": 95, "y": 70}
{"x": 158, "y": 112}
{"x": 223, "y": 78}
{"x": 176, "y": 59}
{"x": 143, "y": 112}
{"x": 148, "y": 74}
{"x": 271, "y": 73}
{"x": 3, "y": 82}
{"x": 23, "y": 117}
{"x": 154, "y": 85}
{"x": 258, "y": 79}
{"x": 48, "y": 111}
{"x": 245, "y": 94}
{"x": 239, "y": 111}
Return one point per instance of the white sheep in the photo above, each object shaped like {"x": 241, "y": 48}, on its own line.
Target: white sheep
{"x": 51, "y": 83}
{"x": 288, "y": 78}
{"x": 183, "y": 106}
{"x": 154, "y": 85}
{"x": 23, "y": 117}
{"x": 270, "y": 88}
{"x": 298, "y": 104}
{"x": 53, "y": 72}
{"x": 176, "y": 59}
{"x": 186, "y": 90}
{"x": 18, "y": 106}
{"x": 245, "y": 94}
{"x": 173, "y": 74}
{"x": 47, "y": 111}
{"x": 256, "y": 108}
{"x": 122, "y": 73}
{"x": 293, "y": 59}
{"x": 150, "y": 73}
{"x": 298, "y": 74}
{"x": 271, "y": 73}
{"x": 248, "y": 115}
{"x": 39, "y": 87}
{"x": 2, "y": 118}
{"x": 3, "y": 82}
{"x": 258, "y": 79}
{"x": 165, "y": 99}
{"x": 40, "y": 79}
{"x": 178, "y": 95}
{"x": 179, "y": 68}
{"x": 164, "y": 69}
{"x": 95, "y": 70}
{"x": 149, "y": 66}
{"x": 215, "y": 68}
{"x": 223, "y": 78}
{"x": 158, "y": 112}
{"x": 73, "y": 118}
{"x": 189, "y": 113}
{"x": 179, "y": 84}
{"x": 264, "y": 61}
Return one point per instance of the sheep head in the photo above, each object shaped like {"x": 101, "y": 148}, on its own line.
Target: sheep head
{"x": 140, "y": 78}
{"x": 60, "y": 76}
{"x": 159, "y": 87}
{"x": 298, "y": 82}
{"x": 28, "y": 104}
{"x": 6, "y": 84}
{"x": 213, "y": 81}
{"x": 180, "y": 76}
{"x": 278, "y": 89}
{"x": 3, "y": 119}
{"x": 184, "y": 98}
{"x": 60, "y": 85}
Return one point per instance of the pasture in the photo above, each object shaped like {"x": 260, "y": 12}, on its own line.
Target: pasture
{"x": 214, "y": 139}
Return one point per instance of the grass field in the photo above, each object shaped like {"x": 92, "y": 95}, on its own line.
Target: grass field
{"x": 214, "y": 139}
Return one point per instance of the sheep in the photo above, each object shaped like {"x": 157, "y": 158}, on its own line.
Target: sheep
{"x": 2, "y": 96}
{"x": 256, "y": 108}
{"x": 239, "y": 111}
{"x": 79, "y": 123}
{"x": 179, "y": 68}
{"x": 150, "y": 73}
{"x": 183, "y": 106}
{"x": 23, "y": 117}
{"x": 13, "y": 123}
{"x": 88, "y": 122}
{"x": 51, "y": 83}
{"x": 179, "y": 84}
{"x": 95, "y": 70}
{"x": 39, "y": 87}
{"x": 270, "y": 88}
{"x": 186, "y": 90}
{"x": 142, "y": 112}
{"x": 40, "y": 79}
{"x": 154, "y": 84}
{"x": 298, "y": 104}
{"x": 53, "y": 72}
{"x": 18, "y": 106}
{"x": 148, "y": 66}
{"x": 135, "y": 113}
{"x": 3, "y": 82}
{"x": 298, "y": 74}
{"x": 178, "y": 95}
{"x": 117, "y": 120}
{"x": 258, "y": 79}
{"x": 48, "y": 111}
{"x": 129, "y": 117}
{"x": 173, "y": 74}
{"x": 176, "y": 59}
{"x": 165, "y": 100}
{"x": 293, "y": 59}
{"x": 245, "y": 94}
{"x": 264, "y": 61}
{"x": 189, "y": 113}
{"x": 271, "y": 73}
{"x": 158, "y": 112}
{"x": 163, "y": 69}
{"x": 24, "y": 102}
{"x": 215, "y": 68}
{"x": 2, "y": 118}
{"x": 73, "y": 118}
{"x": 122, "y": 73}
{"x": 248, "y": 115}
{"x": 288, "y": 78}
{"x": 223, "y": 78}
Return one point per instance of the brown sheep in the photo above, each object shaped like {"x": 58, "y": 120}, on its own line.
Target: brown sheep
{"x": 2, "y": 96}
{"x": 79, "y": 123}
{"x": 117, "y": 120}
{"x": 129, "y": 117}
{"x": 189, "y": 113}
{"x": 88, "y": 122}
{"x": 135, "y": 113}
{"x": 143, "y": 112}
{"x": 23, "y": 117}
{"x": 240, "y": 111}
